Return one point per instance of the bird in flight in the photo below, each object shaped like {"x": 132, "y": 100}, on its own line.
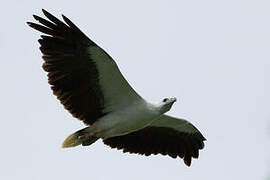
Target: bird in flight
{"x": 87, "y": 81}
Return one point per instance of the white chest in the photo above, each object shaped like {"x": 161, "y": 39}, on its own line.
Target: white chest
{"x": 134, "y": 117}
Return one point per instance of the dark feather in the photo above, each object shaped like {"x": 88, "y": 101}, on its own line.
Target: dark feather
{"x": 45, "y": 22}
{"x": 71, "y": 71}
{"x": 159, "y": 140}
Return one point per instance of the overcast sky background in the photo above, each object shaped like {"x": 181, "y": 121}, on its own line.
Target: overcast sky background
{"x": 214, "y": 56}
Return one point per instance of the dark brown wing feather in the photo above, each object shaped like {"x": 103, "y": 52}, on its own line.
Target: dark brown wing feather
{"x": 160, "y": 140}
{"x": 71, "y": 72}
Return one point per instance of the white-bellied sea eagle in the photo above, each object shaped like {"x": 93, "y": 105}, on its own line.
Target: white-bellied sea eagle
{"x": 87, "y": 81}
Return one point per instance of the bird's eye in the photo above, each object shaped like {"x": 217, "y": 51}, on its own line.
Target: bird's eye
{"x": 166, "y": 99}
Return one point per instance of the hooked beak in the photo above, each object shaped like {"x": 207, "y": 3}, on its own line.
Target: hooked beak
{"x": 174, "y": 99}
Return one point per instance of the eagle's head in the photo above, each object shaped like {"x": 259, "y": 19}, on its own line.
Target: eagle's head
{"x": 166, "y": 104}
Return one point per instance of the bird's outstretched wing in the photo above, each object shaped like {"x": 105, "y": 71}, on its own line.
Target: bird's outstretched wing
{"x": 166, "y": 135}
{"x": 83, "y": 76}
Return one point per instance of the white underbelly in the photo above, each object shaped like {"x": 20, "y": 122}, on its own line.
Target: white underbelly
{"x": 123, "y": 122}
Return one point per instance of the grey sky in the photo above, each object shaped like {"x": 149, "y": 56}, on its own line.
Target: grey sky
{"x": 214, "y": 56}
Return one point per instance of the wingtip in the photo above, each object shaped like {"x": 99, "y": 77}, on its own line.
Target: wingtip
{"x": 187, "y": 160}
{"x": 35, "y": 17}
{"x": 67, "y": 20}
{"x": 64, "y": 17}
{"x": 44, "y": 11}
{"x": 203, "y": 138}
{"x": 187, "y": 163}
{"x": 29, "y": 24}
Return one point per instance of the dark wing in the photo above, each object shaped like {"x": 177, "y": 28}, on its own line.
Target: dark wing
{"x": 83, "y": 76}
{"x": 166, "y": 136}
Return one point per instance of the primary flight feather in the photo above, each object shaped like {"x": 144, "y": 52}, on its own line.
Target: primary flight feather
{"x": 87, "y": 81}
